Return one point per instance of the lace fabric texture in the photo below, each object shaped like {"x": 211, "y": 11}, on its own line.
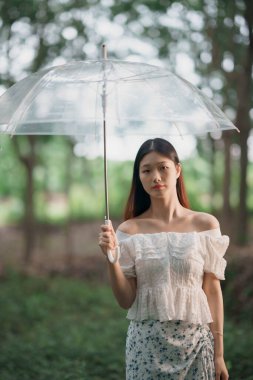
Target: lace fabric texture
{"x": 169, "y": 267}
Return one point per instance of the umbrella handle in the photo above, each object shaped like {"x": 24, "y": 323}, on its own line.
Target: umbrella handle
{"x": 113, "y": 258}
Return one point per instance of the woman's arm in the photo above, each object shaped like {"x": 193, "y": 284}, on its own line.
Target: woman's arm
{"x": 212, "y": 289}
{"x": 124, "y": 288}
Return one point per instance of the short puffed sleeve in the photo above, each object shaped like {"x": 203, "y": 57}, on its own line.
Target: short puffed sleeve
{"x": 126, "y": 259}
{"x": 214, "y": 248}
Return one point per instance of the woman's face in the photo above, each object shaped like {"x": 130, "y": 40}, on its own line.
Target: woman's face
{"x": 158, "y": 174}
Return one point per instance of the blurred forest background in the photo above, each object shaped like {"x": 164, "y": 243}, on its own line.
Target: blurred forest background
{"x": 53, "y": 277}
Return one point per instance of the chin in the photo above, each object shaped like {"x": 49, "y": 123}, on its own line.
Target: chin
{"x": 159, "y": 196}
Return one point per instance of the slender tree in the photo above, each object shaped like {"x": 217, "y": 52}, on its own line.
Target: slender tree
{"x": 244, "y": 92}
{"x": 28, "y": 158}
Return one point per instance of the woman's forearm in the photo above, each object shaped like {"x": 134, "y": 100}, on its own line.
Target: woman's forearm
{"x": 215, "y": 301}
{"x": 124, "y": 288}
{"x": 216, "y": 307}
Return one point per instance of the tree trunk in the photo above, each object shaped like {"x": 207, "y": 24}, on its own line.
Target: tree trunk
{"x": 29, "y": 221}
{"x": 68, "y": 234}
{"x": 213, "y": 185}
{"x": 28, "y": 160}
{"x": 227, "y": 211}
{"x": 242, "y": 227}
{"x": 244, "y": 124}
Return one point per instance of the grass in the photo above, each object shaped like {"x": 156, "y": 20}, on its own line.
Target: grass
{"x": 60, "y": 329}
{"x": 67, "y": 329}
{"x": 238, "y": 347}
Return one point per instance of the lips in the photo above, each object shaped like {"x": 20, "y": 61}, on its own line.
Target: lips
{"x": 158, "y": 187}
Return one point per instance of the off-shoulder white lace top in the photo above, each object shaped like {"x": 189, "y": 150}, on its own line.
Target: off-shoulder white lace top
{"x": 169, "y": 268}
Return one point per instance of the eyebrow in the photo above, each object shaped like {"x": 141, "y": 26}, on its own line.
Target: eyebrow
{"x": 157, "y": 163}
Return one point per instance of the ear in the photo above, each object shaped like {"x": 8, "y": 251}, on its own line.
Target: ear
{"x": 178, "y": 169}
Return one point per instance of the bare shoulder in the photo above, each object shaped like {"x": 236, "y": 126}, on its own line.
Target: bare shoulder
{"x": 129, "y": 226}
{"x": 204, "y": 221}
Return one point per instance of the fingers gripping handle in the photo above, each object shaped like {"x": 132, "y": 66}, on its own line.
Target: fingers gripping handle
{"x": 113, "y": 258}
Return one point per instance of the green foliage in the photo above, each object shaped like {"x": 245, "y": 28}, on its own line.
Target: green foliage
{"x": 239, "y": 286}
{"x": 11, "y": 211}
{"x": 238, "y": 349}
{"x": 69, "y": 187}
{"x": 120, "y": 176}
{"x": 197, "y": 181}
{"x": 65, "y": 186}
{"x": 58, "y": 328}
{"x": 238, "y": 304}
{"x": 86, "y": 203}
{"x": 12, "y": 174}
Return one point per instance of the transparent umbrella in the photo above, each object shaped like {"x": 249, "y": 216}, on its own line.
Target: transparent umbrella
{"x": 104, "y": 98}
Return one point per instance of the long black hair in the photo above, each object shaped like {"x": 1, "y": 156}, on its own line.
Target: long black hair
{"x": 138, "y": 199}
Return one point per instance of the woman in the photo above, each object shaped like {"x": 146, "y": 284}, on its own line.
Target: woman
{"x": 168, "y": 274}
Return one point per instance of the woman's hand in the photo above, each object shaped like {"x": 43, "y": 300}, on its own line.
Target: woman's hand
{"x": 107, "y": 238}
{"x": 221, "y": 372}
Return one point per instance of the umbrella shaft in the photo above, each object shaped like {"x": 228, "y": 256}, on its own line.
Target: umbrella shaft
{"x": 105, "y": 172}
{"x": 107, "y": 216}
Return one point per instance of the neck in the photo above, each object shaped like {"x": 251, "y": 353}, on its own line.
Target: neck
{"x": 165, "y": 209}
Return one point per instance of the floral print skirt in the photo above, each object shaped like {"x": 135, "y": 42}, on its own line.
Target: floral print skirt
{"x": 173, "y": 350}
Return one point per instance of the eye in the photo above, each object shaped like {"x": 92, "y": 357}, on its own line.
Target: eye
{"x": 146, "y": 171}
{"x": 164, "y": 167}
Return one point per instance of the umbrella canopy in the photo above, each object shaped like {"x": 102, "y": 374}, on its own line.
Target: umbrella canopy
{"x": 103, "y": 98}
{"x": 136, "y": 99}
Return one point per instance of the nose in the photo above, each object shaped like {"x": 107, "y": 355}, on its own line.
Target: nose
{"x": 157, "y": 176}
